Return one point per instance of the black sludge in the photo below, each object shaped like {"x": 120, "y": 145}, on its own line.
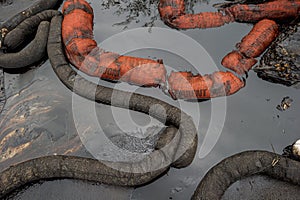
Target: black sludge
{"x": 73, "y": 167}
{"x": 242, "y": 165}
{"x": 32, "y": 53}
{"x": 6, "y": 2}
{"x": 173, "y": 149}
{"x": 25, "y": 29}
{"x": 281, "y": 63}
{"x": 186, "y": 149}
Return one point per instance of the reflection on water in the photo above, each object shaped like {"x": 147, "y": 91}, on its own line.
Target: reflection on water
{"x": 23, "y": 116}
{"x": 35, "y": 120}
{"x": 72, "y": 189}
{"x": 38, "y": 119}
{"x": 260, "y": 188}
{"x": 135, "y": 11}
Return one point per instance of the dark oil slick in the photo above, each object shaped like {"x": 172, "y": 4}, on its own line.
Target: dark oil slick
{"x": 238, "y": 133}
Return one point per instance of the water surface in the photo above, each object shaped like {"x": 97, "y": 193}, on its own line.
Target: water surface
{"x": 251, "y": 120}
